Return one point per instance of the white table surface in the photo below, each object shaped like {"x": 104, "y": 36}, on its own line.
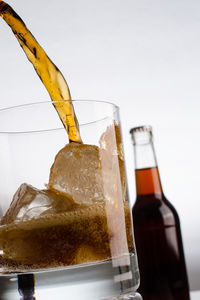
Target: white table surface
{"x": 195, "y": 295}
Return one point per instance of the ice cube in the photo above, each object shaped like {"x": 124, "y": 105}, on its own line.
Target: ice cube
{"x": 29, "y": 202}
{"x": 112, "y": 157}
{"x": 87, "y": 253}
{"x": 114, "y": 184}
{"x": 77, "y": 171}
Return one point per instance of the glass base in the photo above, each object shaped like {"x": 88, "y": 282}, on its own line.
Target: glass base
{"x": 89, "y": 282}
{"x": 129, "y": 296}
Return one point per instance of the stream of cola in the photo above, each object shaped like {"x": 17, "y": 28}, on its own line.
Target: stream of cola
{"x": 49, "y": 74}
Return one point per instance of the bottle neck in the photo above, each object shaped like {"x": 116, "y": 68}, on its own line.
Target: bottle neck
{"x": 148, "y": 181}
{"x": 146, "y": 169}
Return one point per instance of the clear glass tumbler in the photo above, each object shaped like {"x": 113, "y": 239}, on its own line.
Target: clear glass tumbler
{"x": 65, "y": 228}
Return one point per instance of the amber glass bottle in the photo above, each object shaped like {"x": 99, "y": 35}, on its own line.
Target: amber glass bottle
{"x": 157, "y": 228}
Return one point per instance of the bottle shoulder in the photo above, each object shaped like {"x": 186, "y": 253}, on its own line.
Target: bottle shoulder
{"x": 154, "y": 209}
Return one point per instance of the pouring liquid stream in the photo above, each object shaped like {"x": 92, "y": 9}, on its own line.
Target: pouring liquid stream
{"x": 49, "y": 74}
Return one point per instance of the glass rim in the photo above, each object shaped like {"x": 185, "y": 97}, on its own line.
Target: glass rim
{"x": 56, "y": 101}
{"x": 32, "y": 104}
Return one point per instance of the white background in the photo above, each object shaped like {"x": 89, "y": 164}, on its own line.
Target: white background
{"x": 142, "y": 55}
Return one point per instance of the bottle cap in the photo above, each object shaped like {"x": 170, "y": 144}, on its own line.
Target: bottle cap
{"x": 142, "y": 134}
{"x": 141, "y": 128}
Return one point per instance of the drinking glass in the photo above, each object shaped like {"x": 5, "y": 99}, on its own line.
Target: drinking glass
{"x": 66, "y": 228}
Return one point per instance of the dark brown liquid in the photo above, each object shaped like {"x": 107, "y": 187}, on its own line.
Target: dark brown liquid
{"x": 158, "y": 242}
